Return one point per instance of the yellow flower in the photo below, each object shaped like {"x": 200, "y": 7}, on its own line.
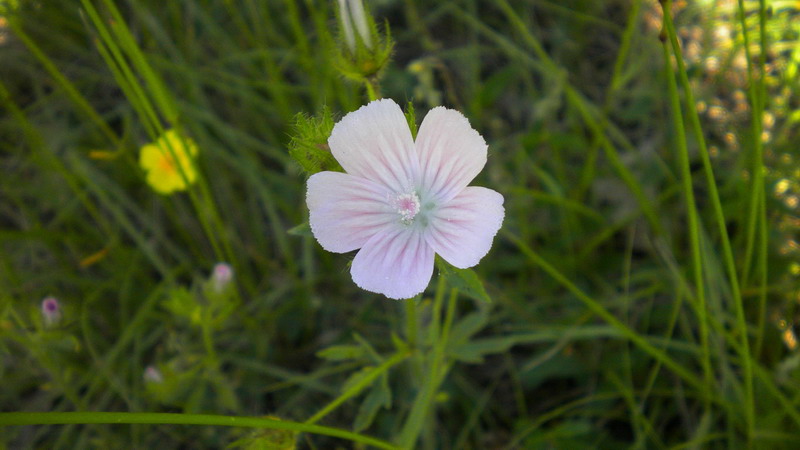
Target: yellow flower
{"x": 158, "y": 159}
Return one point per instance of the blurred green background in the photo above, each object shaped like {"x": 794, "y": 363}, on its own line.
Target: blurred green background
{"x": 615, "y": 318}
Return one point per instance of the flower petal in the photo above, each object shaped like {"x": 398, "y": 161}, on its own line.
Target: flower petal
{"x": 451, "y": 153}
{"x": 396, "y": 262}
{"x": 462, "y": 230}
{"x": 375, "y": 143}
{"x": 345, "y": 211}
{"x": 149, "y": 156}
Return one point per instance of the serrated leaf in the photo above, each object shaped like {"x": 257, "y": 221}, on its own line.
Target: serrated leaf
{"x": 465, "y": 280}
{"x": 342, "y": 352}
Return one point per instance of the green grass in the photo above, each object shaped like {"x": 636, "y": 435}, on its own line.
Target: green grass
{"x": 641, "y": 293}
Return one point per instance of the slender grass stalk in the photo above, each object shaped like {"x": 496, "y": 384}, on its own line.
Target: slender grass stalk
{"x": 411, "y": 322}
{"x": 587, "y": 173}
{"x": 730, "y": 264}
{"x": 578, "y": 102}
{"x": 123, "y": 52}
{"x": 37, "y": 143}
{"x": 757, "y": 202}
{"x": 756, "y": 94}
{"x": 62, "y": 418}
{"x": 693, "y": 225}
{"x": 128, "y": 335}
{"x": 556, "y": 412}
{"x": 72, "y": 92}
{"x": 155, "y": 85}
{"x": 604, "y": 314}
{"x": 354, "y": 390}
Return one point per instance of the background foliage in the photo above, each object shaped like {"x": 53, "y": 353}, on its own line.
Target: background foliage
{"x": 614, "y": 320}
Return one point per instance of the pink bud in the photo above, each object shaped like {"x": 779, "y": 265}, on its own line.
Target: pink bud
{"x": 51, "y": 311}
{"x": 153, "y": 375}
{"x": 221, "y": 276}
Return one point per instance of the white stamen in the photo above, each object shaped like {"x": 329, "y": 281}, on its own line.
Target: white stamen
{"x": 407, "y": 207}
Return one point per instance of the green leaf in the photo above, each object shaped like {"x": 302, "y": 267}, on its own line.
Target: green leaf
{"x": 342, "y": 352}
{"x": 399, "y": 344}
{"x": 411, "y": 119}
{"x": 181, "y": 303}
{"x": 465, "y": 280}
{"x": 358, "y": 377}
{"x": 474, "y": 351}
{"x": 304, "y": 229}
{"x": 379, "y": 396}
{"x": 309, "y": 143}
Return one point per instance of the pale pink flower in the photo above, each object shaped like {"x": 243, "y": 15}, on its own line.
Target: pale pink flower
{"x": 400, "y": 201}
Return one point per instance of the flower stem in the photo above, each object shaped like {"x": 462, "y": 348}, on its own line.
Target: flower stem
{"x": 373, "y": 88}
{"x": 358, "y": 387}
{"x": 57, "y": 418}
{"x": 727, "y": 251}
{"x": 208, "y": 340}
{"x": 437, "y": 369}
{"x": 411, "y": 322}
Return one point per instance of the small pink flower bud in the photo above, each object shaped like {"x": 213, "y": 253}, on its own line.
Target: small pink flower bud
{"x": 153, "y": 375}
{"x": 51, "y": 311}
{"x": 221, "y": 276}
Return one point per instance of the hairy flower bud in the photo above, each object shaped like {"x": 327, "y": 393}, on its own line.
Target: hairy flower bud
{"x": 51, "y": 311}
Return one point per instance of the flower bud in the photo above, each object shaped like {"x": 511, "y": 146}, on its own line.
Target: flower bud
{"x": 365, "y": 51}
{"x": 152, "y": 375}
{"x": 360, "y": 19}
{"x": 347, "y": 25}
{"x": 51, "y": 311}
{"x": 221, "y": 276}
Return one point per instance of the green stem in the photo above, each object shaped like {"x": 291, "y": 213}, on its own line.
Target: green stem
{"x": 70, "y": 89}
{"x": 730, "y": 264}
{"x": 358, "y": 387}
{"x": 755, "y": 91}
{"x": 597, "y": 308}
{"x": 208, "y": 340}
{"x": 574, "y": 98}
{"x": 411, "y": 322}
{"x": 373, "y": 88}
{"x": 424, "y": 400}
{"x": 700, "y": 306}
{"x": 61, "y": 418}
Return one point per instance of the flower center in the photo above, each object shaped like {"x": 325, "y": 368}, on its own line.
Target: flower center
{"x": 166, "y": 163}
{"x": 407, "y": 206}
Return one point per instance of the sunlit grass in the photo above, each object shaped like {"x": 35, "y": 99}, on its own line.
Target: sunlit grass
{"x": 643, "y": 288}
